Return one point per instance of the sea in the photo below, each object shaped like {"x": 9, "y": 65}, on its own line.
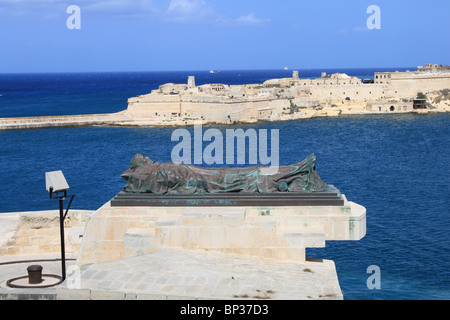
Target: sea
{"x": 396, "y": 166}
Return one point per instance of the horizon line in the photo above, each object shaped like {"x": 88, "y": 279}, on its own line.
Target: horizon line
{"x": 202, "y": 70}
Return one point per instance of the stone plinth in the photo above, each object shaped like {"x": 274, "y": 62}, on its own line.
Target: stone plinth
{"x": 280, "y": 233}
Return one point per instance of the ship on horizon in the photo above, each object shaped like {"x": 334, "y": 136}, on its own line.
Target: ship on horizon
{"x": 213, "y": 71}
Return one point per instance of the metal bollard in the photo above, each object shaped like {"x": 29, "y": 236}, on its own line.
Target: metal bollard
{"x": 34, "y": 274}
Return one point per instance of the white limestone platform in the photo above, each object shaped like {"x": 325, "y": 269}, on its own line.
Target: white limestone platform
{"x": 173, "y": 274}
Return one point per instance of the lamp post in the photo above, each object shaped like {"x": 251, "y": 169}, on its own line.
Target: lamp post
{"x": 57, "y": 187}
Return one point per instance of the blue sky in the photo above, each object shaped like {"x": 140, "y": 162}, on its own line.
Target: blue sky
{"x": 165, "y": 35}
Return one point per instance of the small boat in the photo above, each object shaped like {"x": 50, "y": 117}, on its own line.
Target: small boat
{"x": 213, "y": 72}
{"x": 286, "y": 68}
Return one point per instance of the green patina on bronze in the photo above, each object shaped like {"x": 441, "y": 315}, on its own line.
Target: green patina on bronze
{"x": 147, "y": 176}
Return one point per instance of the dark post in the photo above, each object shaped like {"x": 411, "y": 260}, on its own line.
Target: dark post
{"x": 56, "y": 184}
{"x": 61, "y": 225}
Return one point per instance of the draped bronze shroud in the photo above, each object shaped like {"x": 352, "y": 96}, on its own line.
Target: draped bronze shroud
{"x": 146, "y": 176}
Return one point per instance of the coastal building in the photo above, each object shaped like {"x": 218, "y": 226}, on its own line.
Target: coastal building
{"x": 434, "y": 68}
{"x": 390, "y": 106}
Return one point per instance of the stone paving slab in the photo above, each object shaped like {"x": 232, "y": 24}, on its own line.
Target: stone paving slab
{"x": 183, "y": 274}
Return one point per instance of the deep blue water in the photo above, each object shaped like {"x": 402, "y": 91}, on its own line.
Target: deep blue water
{"x": 394, "y": 165}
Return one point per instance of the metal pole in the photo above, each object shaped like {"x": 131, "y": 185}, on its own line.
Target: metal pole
{"x": 61, "y": 225}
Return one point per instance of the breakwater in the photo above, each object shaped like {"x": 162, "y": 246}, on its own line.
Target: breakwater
{"x": 63, "y": 121}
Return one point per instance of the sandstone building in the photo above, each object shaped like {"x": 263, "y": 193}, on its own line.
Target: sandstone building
{"x": 290, "y": 98}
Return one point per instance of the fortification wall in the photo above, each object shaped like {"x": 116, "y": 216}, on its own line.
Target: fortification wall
{"x": 154, "y": 110}
{"x": 214, "y": 109}
{"x": 154, "y": 106}
{"x": 361, "y": 92}
{"x": 408, "y": 86}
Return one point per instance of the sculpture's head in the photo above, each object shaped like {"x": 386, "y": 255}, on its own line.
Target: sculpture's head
{"x": 140, "y": 160}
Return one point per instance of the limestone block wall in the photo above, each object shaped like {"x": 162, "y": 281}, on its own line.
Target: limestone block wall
{"x": 218, "y": 109}
{"x": 154, "y": 106}
{"x": 39, "y": 232}
{"x": 360, "y": 92}
{"x": 279, "y": 105}
{"x": 409, "y": 85}
{"x": 214, "y": 110}
{"x": 280, "y": 233}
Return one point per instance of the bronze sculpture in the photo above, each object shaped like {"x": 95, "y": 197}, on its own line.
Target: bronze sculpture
{"x": 147, "y": 176}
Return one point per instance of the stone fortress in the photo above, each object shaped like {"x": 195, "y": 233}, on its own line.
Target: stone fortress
{"x": 424, "y": 90}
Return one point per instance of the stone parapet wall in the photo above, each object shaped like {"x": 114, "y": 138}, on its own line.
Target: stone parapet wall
{"x": 39, "y": 232}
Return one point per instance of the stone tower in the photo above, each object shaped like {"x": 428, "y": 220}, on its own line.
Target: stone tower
{"x": 191, "y": 82}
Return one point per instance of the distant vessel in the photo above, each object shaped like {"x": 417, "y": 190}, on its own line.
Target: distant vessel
{"x": 213, "y": 71}
{"x": 286, "y": 68}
